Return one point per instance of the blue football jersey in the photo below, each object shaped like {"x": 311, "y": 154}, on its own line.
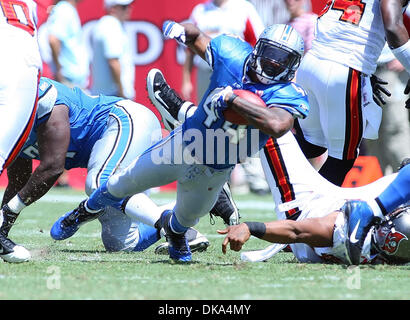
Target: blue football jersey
{"x": 224, "y": 144}
{"x": 88, "y": 119}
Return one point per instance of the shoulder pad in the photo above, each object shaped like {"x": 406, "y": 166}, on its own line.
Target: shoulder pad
{"x": 47, "y": 96}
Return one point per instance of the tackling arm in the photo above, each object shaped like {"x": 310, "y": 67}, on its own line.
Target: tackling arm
{"x": 315, "y": 232}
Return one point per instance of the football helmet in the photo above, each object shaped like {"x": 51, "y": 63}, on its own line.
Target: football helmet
{"x": 391, "y": 238}
{"x": 277, "y": 54}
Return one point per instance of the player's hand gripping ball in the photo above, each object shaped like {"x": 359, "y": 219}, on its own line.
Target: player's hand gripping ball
{"x": 234, "y": 117}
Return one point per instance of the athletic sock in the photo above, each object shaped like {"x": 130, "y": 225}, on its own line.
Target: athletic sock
{"x": 187, "y": 110}
{"x": 101, "y": 198}
{"x": 176, "y": 226}
{"x": 397, "y": 193}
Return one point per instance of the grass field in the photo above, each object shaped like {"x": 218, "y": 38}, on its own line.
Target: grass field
{"x": 79, "y": 268}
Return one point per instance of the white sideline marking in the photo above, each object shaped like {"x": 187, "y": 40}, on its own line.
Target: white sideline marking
{"x": 242, "y": 204}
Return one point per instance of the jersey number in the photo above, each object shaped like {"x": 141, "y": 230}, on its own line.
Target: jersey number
{"x": 18, "y": 15}
{"x": 352, "y": 10}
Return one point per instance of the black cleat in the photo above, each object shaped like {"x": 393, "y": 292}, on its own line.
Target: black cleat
{"x": 178, "y": 247}
{"x": 405, "y": 162}
{"x": 164, "y": 98}
{"x": 196, "y": 240}
{"x": 226, "y": 208}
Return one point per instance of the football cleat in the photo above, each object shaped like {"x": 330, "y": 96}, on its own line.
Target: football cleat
{"x": 68, "y": 224}
{"x": 8, "y": 218}
{"x": 11, "y": 252}
{"x": 164, "y": 99}
{"x": 405, "y": 162}
{"x": 178, "y": 247}
{"x": 197, "y": 242}
{"x": 360, "y": 219}
{"x": 225, "y": 207}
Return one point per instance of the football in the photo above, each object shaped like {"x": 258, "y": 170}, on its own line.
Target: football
{"x": 233, "y": 116}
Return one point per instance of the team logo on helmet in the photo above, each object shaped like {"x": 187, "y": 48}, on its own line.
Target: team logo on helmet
{"x": 392, "y": 242}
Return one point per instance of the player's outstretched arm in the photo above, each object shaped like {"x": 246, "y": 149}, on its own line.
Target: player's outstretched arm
{"x": 187, "y": 34}
{"x": 315, "y": 232}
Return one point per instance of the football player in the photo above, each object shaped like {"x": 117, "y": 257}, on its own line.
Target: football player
{"x": 349, "y": 38}
{"x": 191, "y": 153}
{"x": 348, "y": 41}
{"x": 325, "y": 238}
{"x": 20, "y": 65}
{"x": 100, "y": 133}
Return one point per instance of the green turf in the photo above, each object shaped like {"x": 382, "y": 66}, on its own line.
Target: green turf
{"x": 79, "y": 268}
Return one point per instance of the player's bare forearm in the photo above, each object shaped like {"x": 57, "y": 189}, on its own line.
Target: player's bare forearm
{"x": 396, "y": 32}
{"x": 272, "y": 121}
{"x": 40, "y": 182}
{"x": 315, "y": 232}
{"x": 196, "y": 40}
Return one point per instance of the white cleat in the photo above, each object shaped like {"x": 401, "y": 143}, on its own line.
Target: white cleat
{"x": 11, "y": 252}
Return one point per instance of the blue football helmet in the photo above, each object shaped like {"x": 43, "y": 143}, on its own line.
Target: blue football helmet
{"x": 277, "y": 54}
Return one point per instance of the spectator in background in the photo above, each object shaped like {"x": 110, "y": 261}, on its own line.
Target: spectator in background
{"x": 112, "y": 68}
{"x": 276, "y": 11}
{"x": 271, "y": 11}
{"x": 70, "y": 62}
{"x": 302, "y": 19}
{"x": 214, "y": 17}
{"x": 393, "y": 144}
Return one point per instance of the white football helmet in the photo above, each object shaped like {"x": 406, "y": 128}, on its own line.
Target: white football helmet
{"x": 277, "y": 54}
{"x": 391, "y": 239}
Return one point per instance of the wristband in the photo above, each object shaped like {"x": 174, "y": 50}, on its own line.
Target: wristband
{"x": 231, "y": 99}
{"x": 257, "y": 229}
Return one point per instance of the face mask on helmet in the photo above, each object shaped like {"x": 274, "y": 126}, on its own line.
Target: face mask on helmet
{"x": 276, "y": 60}
{"x": 391, "y": 238}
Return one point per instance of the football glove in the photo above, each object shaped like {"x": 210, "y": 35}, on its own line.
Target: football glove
{"x": 378, "y": 90}
{"x": 218, "y": 102}
{"x": 407, "y": 91}
{"x": 173, "y": 30}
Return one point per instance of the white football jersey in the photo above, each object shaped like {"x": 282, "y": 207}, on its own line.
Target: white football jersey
{"x": 18, "y": 32}
{"x": 351, "y": 33}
